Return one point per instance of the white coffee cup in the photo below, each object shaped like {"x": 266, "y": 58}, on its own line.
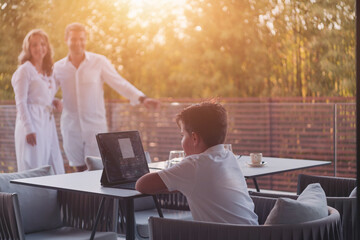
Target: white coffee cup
{"x": 256, "y": 158}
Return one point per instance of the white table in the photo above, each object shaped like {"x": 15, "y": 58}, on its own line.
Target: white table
{"x": 272, "y": 166}
{"x": 88, "y": 182}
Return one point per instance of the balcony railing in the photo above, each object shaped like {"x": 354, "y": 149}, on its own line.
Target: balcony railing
{"x": 316, "y": 131}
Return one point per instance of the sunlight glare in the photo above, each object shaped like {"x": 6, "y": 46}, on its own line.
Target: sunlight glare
{"x": 151, "y": 6}
{"x": 144, "y": 13}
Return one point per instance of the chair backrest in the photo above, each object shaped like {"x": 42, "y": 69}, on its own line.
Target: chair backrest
{"x": 263, "y": 207}
{"x": 39, "y": 207}
{"x": 333, "y": 186}
{"x": 175, "y": 201}
{"x": 10, "y": 218}
{"x": 328, "y": 228}
{"x": 79, "y": 211}
{"x": 95, "y": 163}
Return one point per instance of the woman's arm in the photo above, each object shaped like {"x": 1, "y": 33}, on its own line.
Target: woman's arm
{"x": 20, "y": 83}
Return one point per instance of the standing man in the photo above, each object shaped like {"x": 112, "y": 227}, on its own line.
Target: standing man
{"x": 81, "y": 76}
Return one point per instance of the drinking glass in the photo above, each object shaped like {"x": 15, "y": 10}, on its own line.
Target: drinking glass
{"x": 175, "y": 157}
{"x": 228, "y": 147}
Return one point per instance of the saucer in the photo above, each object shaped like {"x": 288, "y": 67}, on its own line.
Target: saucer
{"x": 263, "y": 163}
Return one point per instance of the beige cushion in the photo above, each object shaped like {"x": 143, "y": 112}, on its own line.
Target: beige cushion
{"x": 93, "y": 163}
{"x": 310, "y": 205}
{"x": 39, "y": 207}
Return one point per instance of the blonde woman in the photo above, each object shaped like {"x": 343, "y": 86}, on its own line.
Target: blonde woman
{"x": 36, "y": 140}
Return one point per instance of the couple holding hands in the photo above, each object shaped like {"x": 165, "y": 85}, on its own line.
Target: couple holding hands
{"x": 80, "y": 75}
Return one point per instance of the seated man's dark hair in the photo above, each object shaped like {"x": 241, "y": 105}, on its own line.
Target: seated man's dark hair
{"x": 207, "y": 119}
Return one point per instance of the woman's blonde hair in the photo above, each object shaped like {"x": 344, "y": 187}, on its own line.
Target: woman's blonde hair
{"x": 25, "y": 54}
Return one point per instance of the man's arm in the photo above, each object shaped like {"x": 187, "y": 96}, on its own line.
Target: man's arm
{"x": 151, "y": 183}
{"x": 118, "y": 83}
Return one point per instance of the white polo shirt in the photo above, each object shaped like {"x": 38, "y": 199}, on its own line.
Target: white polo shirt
{"x": 214, "y": 186}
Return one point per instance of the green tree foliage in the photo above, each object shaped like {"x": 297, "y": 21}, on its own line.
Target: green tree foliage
{"x": 200, "y": 48}
{"x": 16, "y": 18}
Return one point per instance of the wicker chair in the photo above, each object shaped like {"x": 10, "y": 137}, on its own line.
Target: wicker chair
{"x": 35, "y": 213}
{"x": 328, "y": 228}
{"x": 337, "y": 191}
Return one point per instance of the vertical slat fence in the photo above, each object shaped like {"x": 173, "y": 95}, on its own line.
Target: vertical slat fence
{"x": 281, "y": 129}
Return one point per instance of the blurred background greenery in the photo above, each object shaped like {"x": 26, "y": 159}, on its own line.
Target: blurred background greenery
{"x": 200, "y": 48}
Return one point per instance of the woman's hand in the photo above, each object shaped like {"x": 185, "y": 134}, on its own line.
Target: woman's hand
{"x": 58, "y": 106}
{"x": 31, "y": 139}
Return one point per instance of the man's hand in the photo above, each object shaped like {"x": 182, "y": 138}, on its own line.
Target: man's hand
{"x": 31, "y": 139}
{"x": 58, "y": 106}
{"x": 151, "y": 103}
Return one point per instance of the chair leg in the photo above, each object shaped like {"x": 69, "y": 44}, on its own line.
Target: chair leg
{"x": 158, "y": 208}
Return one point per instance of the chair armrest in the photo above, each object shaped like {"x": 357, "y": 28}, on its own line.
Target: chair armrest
{"x": 327, "y": 228}
{"x": 10, "y": 217}
{"x": 272, "y": 195}
{"x": 347, "y": 210}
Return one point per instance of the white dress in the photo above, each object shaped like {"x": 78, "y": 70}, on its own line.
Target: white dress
{"x": 34, "y": 94}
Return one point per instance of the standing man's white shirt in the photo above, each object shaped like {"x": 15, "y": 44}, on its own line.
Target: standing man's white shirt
{"x": 84, "y": 112}
{"x": 214, "y": 186}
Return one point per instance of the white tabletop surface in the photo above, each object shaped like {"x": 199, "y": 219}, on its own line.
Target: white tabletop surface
{"x": 272, "y": 166}
{"x": 88, "y": 182}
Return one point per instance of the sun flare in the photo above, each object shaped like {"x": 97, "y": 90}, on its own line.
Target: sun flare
{"x": 145, "y": 13}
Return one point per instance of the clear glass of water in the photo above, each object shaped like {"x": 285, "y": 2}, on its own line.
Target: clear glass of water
{"x": 228, "y": 147}
{"x": 175, "y": 157}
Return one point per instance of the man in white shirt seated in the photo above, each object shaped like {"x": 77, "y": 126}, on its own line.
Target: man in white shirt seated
{"x": 81, "y": 76}
{"x": 209, "y": 176}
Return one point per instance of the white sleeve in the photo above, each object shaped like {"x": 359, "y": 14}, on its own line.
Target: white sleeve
{"x": 56, "y": 78}
{"x": 118, "y": 83}
{"x": 180, "y": 177}
{"x": 21, "y": 81}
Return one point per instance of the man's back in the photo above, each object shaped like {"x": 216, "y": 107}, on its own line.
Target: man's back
{"x": 214, "y": 186}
